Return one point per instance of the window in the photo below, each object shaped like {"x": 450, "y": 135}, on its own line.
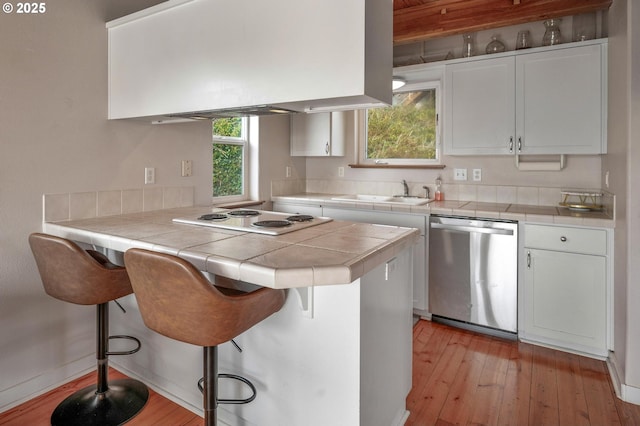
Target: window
{"x": 405, "y": 133}
{"x": 230, "y": 145}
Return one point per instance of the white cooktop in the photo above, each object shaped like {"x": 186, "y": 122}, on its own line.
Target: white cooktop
{"x": 247, "y": 220}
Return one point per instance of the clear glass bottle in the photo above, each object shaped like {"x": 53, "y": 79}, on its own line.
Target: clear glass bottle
{"x": 523, "y": 40}
{"x": 552, "y": 33}
{"x": 467, "y": 45}
{"x": 439, "y": 196}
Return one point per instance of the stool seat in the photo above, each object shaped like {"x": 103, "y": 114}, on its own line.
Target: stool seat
{"x": 177, "y": 301}
{"x": 87, "y": 277}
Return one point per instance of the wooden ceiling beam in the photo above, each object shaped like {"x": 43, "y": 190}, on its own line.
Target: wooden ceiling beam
{"x": 418, "y": 20}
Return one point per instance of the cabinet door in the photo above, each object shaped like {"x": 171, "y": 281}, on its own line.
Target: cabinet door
{"x": 318, "y": 134}
{"x": 560, "y": 101}
{"x": 565, "y": 299}
{"x": 480, "y": 107}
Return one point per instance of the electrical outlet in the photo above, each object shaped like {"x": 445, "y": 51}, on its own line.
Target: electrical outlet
{"x": 459, "y": 174}
{"x": 340, "y": 171}
{"x": 477, "y": 175}
{"x": 287, "y": 171}
{"x": 149, "y": 175}
{"x": 187, "y": 168}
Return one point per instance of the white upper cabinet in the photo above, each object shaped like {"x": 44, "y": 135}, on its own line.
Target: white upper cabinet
{"x": 319, "y": 135}
{"x": 544, "y": 101}
{"x": 183, "y": 56}
{"x": 480, "y": 107}
{"x": 561, "y": 102}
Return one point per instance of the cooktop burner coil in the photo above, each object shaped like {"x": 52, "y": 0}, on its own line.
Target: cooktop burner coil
{"x": 272, "y": 223}
{"x": 213, "y": 216}
{"x": 300, "y": 218}
{"x": 244, "y": 213}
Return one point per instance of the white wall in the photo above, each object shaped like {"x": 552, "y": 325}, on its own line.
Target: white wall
{"x": 621, "y": 162}
{"x": 633, "y": 285}
{"x": 273, "y": 157}
{"x": 55, "y": 138}
{"x": 617, "y": 163}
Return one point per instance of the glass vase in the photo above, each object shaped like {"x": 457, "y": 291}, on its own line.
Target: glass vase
{"x": 552, "y": 33}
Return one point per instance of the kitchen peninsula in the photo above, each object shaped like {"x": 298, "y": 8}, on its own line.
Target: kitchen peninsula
{"x": 339, "y": 351}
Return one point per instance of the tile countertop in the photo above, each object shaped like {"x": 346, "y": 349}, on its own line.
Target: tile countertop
{"x": 337, "y": 252}
{"x": 519, "y": 212}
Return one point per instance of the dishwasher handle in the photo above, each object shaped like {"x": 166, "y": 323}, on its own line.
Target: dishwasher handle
{"x": 478, "y": 229}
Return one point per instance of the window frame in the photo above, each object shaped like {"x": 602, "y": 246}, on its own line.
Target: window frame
{"x": 243, "y": 141}
{"x": 362, "y": 123}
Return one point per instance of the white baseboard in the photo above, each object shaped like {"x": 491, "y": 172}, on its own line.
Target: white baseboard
{"x": 43, "y": 383}
{"x": 630, "y": 394}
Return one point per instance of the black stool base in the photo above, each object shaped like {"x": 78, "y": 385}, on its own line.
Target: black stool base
{"x": 119, "y": 404}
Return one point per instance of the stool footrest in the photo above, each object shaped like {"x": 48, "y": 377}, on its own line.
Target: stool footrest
{"x": 121, "y": 336}
{"x": 234, "y": 377}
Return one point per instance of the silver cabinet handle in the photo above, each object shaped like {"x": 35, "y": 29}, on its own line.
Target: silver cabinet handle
{"x": 326, "y": 148}
{"x": 511, "y": 144}
{"x": 563, "y": 239}
{"x": 519, "y": 143}
{"x": 528, "y": 260}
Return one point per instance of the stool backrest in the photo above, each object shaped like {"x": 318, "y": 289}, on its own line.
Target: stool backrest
{"x": 176, "y": 300}
{"x": 75, "y": 275}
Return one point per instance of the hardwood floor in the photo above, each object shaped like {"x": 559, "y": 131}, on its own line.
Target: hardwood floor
{"x": 158, "y": 411}
{"x": 459, "y": 378}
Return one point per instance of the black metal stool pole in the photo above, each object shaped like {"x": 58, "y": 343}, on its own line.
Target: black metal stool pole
{"x": 210, "y": 389}
{"x": 105, "y": 404}
{"x": 102, "y": 342}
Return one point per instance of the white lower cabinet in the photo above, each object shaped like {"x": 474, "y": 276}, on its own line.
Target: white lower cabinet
{"x": 565, "y": 288}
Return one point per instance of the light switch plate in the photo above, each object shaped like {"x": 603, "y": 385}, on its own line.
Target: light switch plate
{"x": 149, "y": 175}
{"x": 187, "y": 168}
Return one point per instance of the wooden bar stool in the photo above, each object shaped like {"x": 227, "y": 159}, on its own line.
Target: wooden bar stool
{"x": 176, "y": 300}
{"x": 86, "y": 277}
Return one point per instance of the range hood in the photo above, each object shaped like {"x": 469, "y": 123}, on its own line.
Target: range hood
{"x": 201, "y": 59}
{"x": 250, "y": 111}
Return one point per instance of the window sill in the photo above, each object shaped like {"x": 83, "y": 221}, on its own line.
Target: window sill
{"x": 397, "y": 166}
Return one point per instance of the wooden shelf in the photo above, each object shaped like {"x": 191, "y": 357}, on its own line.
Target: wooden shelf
{"x": 418, "y": 20}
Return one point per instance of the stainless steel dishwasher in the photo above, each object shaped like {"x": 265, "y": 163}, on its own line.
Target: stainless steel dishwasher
{"x": 473, "y": 273}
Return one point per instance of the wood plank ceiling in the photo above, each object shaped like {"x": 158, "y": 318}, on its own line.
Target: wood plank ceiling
{"x": 418, "y": 20}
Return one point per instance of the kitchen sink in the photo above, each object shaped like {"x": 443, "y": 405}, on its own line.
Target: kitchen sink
{"x": 383, "y": 199}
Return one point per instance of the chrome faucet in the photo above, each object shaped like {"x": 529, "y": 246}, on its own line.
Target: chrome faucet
{"x": 426, "y": 188}
{"x": 406, "y": 188}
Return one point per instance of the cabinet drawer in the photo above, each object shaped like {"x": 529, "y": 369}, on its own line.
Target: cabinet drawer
{"x": 574, "y": 240}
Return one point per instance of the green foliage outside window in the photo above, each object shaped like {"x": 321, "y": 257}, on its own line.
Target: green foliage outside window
{"x": 227, "y": 158}
{"x": 405, "y": 130}
{"x": 228, "y": 127}
{"x": 227, "y": 170}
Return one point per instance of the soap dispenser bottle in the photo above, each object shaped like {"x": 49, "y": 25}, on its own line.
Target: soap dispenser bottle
{"x": 439, "y": 195}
